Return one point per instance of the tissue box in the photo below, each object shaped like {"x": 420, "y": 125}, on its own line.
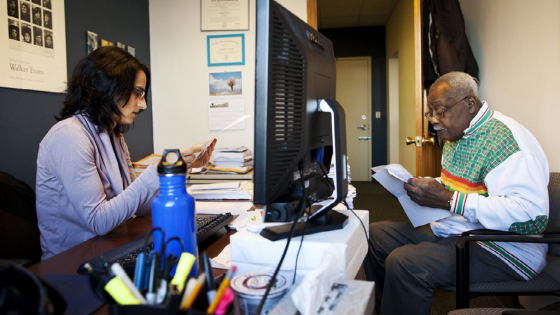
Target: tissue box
{"x": 252, "y": 252}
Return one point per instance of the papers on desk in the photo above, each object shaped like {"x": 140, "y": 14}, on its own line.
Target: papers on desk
{"x": 236, "y": 191}
{"x": 393, "y": 177}
{"x": 240, "y": 209}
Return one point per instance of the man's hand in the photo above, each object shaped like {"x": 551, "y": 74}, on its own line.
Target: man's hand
{"x": 428, "y": 192}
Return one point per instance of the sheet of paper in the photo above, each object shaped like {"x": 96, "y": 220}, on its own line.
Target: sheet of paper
{"x": 223, "y": 260}
{"x": 215, "y": 186}
{"x": 223, "y": 112}
{"x": 235, "y": 208}
{"x": 418, "y": 215}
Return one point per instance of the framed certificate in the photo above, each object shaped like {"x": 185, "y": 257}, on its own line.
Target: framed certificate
{"x": 226, "y": 50}
{"x": 230, "y": 15}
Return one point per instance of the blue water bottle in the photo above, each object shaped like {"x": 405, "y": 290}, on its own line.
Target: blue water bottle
{"x": 173, "y": 209}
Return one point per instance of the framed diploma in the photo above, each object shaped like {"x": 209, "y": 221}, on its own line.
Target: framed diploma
{"x": 226, "y": 50}
{"x": 219, "y": 15}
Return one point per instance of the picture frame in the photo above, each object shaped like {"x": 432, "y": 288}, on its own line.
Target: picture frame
{"x": 231, "y": 15}
{"x": 226, "y": 50}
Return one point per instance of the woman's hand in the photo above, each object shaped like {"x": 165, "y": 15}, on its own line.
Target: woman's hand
{"x": 195, "y": 157}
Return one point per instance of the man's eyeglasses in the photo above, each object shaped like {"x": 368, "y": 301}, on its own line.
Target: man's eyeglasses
{"x": 139, "y": 93}
{"x": 440, "y": 114}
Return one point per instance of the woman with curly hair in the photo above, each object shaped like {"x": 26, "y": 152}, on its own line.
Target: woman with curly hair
{"x": 86, "y": 184}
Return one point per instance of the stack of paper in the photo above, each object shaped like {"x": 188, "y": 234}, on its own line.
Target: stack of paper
{"x": 231, "y": 160}
{"x": 143, "y": 164}
{"x": 234, "y": 190}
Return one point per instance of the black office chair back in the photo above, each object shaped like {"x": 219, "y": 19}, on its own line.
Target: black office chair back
{"x": 554, "y": 210}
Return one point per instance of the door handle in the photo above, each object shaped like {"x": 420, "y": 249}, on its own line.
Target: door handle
{"x": 419, "y": 141}
{"x": 364, "y": 138}
{"x": 363, "y": 127}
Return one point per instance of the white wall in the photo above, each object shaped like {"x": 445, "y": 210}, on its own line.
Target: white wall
{"x": 180, "y": 74}
{"x": 517, "y": 46}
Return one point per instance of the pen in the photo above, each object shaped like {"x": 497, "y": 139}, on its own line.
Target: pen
{"x": 119, "y": 272}
{"x": 194, "y": 294}
{"x": 221, "y": 289}
{"x": 139, "y": 271}
{"x": 191, "y": 283}
{"x": 210, "y": 284}
{"x": 154, "y": 281}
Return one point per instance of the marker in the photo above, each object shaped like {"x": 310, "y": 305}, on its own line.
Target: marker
{"x": 119, "y": 291}
{"x": 225, "y": 283}
{"x": 227, "y": 298}
{"x": 210, "y": 284}
{"x": 118, "y": 271}
{"x": 184, "y": 267}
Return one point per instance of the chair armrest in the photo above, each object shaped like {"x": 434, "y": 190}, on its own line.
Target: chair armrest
{"x": 487, "y": 232}
{"x": 462, "y": 257}
{"x": 517, "y": 238}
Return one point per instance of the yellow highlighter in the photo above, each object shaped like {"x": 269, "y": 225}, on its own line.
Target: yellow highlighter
{"x": 186, "y": 261}
{"x": 118, "y": 290}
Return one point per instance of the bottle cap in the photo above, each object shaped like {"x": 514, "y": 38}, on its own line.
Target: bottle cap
{"x": 172, "y": 163}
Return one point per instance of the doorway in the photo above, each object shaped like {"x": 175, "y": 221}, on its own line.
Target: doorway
{"x": 353, "y": 92}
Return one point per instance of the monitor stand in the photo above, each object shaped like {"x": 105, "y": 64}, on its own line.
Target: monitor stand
{"x": 333, "y": 220}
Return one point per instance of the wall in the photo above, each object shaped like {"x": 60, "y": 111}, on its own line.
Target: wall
{"x": 400, "y": 41}
{"x": 180, "y": 75}
{"x": 368, "y": 41}
{"x": 26, "y": 116}
{"x": 517, "y": 46}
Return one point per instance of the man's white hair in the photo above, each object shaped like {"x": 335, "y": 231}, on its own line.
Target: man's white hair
{"x": 460, "y": 83}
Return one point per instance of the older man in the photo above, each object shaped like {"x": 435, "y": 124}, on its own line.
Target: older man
{"x": 494, "y": 176}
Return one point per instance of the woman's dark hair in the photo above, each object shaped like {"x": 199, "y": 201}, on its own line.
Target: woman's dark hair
{"x": 100, "y": 81}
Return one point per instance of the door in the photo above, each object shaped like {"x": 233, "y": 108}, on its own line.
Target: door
{"x": 427, "y": 152}
{"x": 353, "y": 92}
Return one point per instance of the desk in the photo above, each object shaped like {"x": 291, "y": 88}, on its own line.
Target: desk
{"x": 67, "y": 262}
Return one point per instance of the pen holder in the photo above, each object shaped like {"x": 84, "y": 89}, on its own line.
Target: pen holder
{"x": 172, "y": 307}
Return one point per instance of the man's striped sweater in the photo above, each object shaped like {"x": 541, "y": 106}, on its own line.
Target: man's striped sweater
{"x": 499, "y": 175}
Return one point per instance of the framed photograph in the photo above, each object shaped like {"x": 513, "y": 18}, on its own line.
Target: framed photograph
{"x": 226, "y": 50}
{"x": 121, "y": 45}
{"x": 131, "y": 51}
{"x": 231, "y": 15}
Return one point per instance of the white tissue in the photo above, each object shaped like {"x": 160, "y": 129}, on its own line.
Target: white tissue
{"x": 317, "y": 283}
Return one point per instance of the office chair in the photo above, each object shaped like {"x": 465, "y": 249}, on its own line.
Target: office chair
{"x": 543, "y": 284}
{"x": 499, "y": 311}
{"x": 19, "y": 232}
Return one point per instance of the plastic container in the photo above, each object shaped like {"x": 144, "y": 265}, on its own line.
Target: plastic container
{"x": 173, "y": 209}
{"x": 250, "y": 287}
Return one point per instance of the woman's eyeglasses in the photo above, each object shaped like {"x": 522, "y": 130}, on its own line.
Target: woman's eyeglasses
{"x": 139, "y": 93}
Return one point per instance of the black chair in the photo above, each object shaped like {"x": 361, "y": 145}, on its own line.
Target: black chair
{"x": 19, "y": 232}
{"x": 543, "y": 284}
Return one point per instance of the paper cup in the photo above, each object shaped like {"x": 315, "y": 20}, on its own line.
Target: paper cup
{"x": 250, "y": 287}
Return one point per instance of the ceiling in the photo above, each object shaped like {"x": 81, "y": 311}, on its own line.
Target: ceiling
{"x": 353, "y": 13}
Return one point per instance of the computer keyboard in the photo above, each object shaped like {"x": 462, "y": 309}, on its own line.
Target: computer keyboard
{"x": 206, "y": 225}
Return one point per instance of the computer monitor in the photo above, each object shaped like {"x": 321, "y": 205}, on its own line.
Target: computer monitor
{"x": 299, "y": 126}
